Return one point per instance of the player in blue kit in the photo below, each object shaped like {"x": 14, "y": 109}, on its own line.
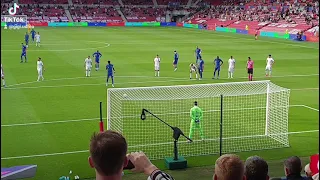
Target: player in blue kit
{"x": 23, "y": 53}
{"x": 111, "y": 71}
{"x": 97, "y": 55}
{"x": 198, "y": 54}
{"x": 33, "y": 34}
{"x": 218, "y": 63}
{"x": 201, "y": 67}
{"x": 175, "y": 60}
{"x": 26, "y": 39}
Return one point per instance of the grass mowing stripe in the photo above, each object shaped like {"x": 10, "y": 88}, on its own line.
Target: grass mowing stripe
{"x": 60, "y": 50}
{"x": 137, "y": 82}
{"x": 84, "y": 151}
{"x": 91, "y": 119}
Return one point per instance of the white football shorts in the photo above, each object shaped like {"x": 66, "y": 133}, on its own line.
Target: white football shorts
{"x": 231, "y": 69}
{"x": 268, "y": 68}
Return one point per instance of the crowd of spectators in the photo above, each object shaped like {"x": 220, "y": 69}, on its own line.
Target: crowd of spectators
{"x": 167, "y": 2}
{"x": 138, "y": 2}
{"x": 262, "y": 11}
{"x": 150, "y": 12}
{"x": 35, "y": 12}
{"x": 109, "y": 156}
{"x": 43, "y": 2}
{"x": 85, "y": 11}
{"x": 96, "y": 2}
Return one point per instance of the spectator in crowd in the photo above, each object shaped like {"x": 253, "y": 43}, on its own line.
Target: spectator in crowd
{"x": 108, "y": 155}
{"x": 229, "y": 167}
{"x": 256, "y": 168}
{"x": 308, "y": 172}
{"x": 293, "y": 168}
{"x": 312, "y": 169}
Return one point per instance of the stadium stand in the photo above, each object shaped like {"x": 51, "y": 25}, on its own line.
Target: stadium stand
{"x": 43, "y": 1}
{"x": 138, "y": 2}
{"x": 43, "y": 13}
{"x": 172, "y": 2}
{"x": 137, "y": 14}
{"x": 95, "y": 2}
{"x": 95, "y": 14}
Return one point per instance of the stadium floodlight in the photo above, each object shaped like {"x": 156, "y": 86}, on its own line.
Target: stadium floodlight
{"x": 244, "y": 116}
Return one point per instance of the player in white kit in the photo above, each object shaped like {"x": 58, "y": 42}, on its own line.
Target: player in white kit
{"x": 2, "y": 77}
{"x": 193, "y": 69}
{"x": 37, "y": 37}
{"x": 232, "y": 63}
{"x": 40, "y": 69}
{"x": 88, "y": 66}
{"x": 270, "y": 62}
{"x": 157, "y": 66}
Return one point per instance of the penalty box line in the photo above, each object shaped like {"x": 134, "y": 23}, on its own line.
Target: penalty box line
{"x": 92, "y": 119}
{"x": 86, "y": 151}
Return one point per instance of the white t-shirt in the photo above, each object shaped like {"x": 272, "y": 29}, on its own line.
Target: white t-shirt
{"x": 270, "y": 61}
{"x": 157, "y": 61}
{"x": 39, "y": 65}
{"x": 231, "y": 63}
{"x": 88, "y": 62}
{"x": 37, "y": 36}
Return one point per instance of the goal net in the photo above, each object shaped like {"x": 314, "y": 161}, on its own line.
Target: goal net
{"x": 254, "y": 117}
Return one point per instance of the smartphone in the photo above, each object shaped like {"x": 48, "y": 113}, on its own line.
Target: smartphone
{"x": 129, "y": 166}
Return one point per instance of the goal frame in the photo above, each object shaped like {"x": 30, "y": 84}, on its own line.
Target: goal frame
{"x": 267, "y": 132}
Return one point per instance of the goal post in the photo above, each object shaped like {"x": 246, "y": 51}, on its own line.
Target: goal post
{"x": 255, "y": 117}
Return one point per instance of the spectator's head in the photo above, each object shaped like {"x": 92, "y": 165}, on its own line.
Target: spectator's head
{"x": 229, "y": 167}
{"x": 307, "y": 170}
{"x": 108, "y": 151}
{"x": 292, "y": 166}
{"x": 256, "y": 168}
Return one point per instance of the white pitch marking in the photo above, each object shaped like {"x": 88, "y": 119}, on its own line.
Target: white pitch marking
{"x": 137, "y": 82}
{"x": 97, "y": 84}
{"x": 85, "y": 151}
{"x": 305, "y": 89}
{"x": 90, "y": 119}
{"x": 311, "y": 108}
{"x": 81, "y": 77}
{"x": 48, "y": 122}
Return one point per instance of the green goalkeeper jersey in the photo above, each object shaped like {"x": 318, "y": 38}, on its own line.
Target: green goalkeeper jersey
{"x": 196, "y": 114}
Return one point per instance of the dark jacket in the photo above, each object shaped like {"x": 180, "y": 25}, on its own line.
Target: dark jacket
{"x": 295, "y": 177}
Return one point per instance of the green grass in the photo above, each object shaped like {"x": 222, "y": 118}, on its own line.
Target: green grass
{"x": 132, "y": 51}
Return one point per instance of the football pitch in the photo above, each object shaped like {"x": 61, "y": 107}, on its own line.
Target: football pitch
{"x": 49, "y": 123}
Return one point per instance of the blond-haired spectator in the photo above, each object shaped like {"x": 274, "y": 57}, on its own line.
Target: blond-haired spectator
{"x": 229, "y": 167}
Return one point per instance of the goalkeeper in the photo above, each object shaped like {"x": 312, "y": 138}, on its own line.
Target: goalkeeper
{"x": 196, "y": 115}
